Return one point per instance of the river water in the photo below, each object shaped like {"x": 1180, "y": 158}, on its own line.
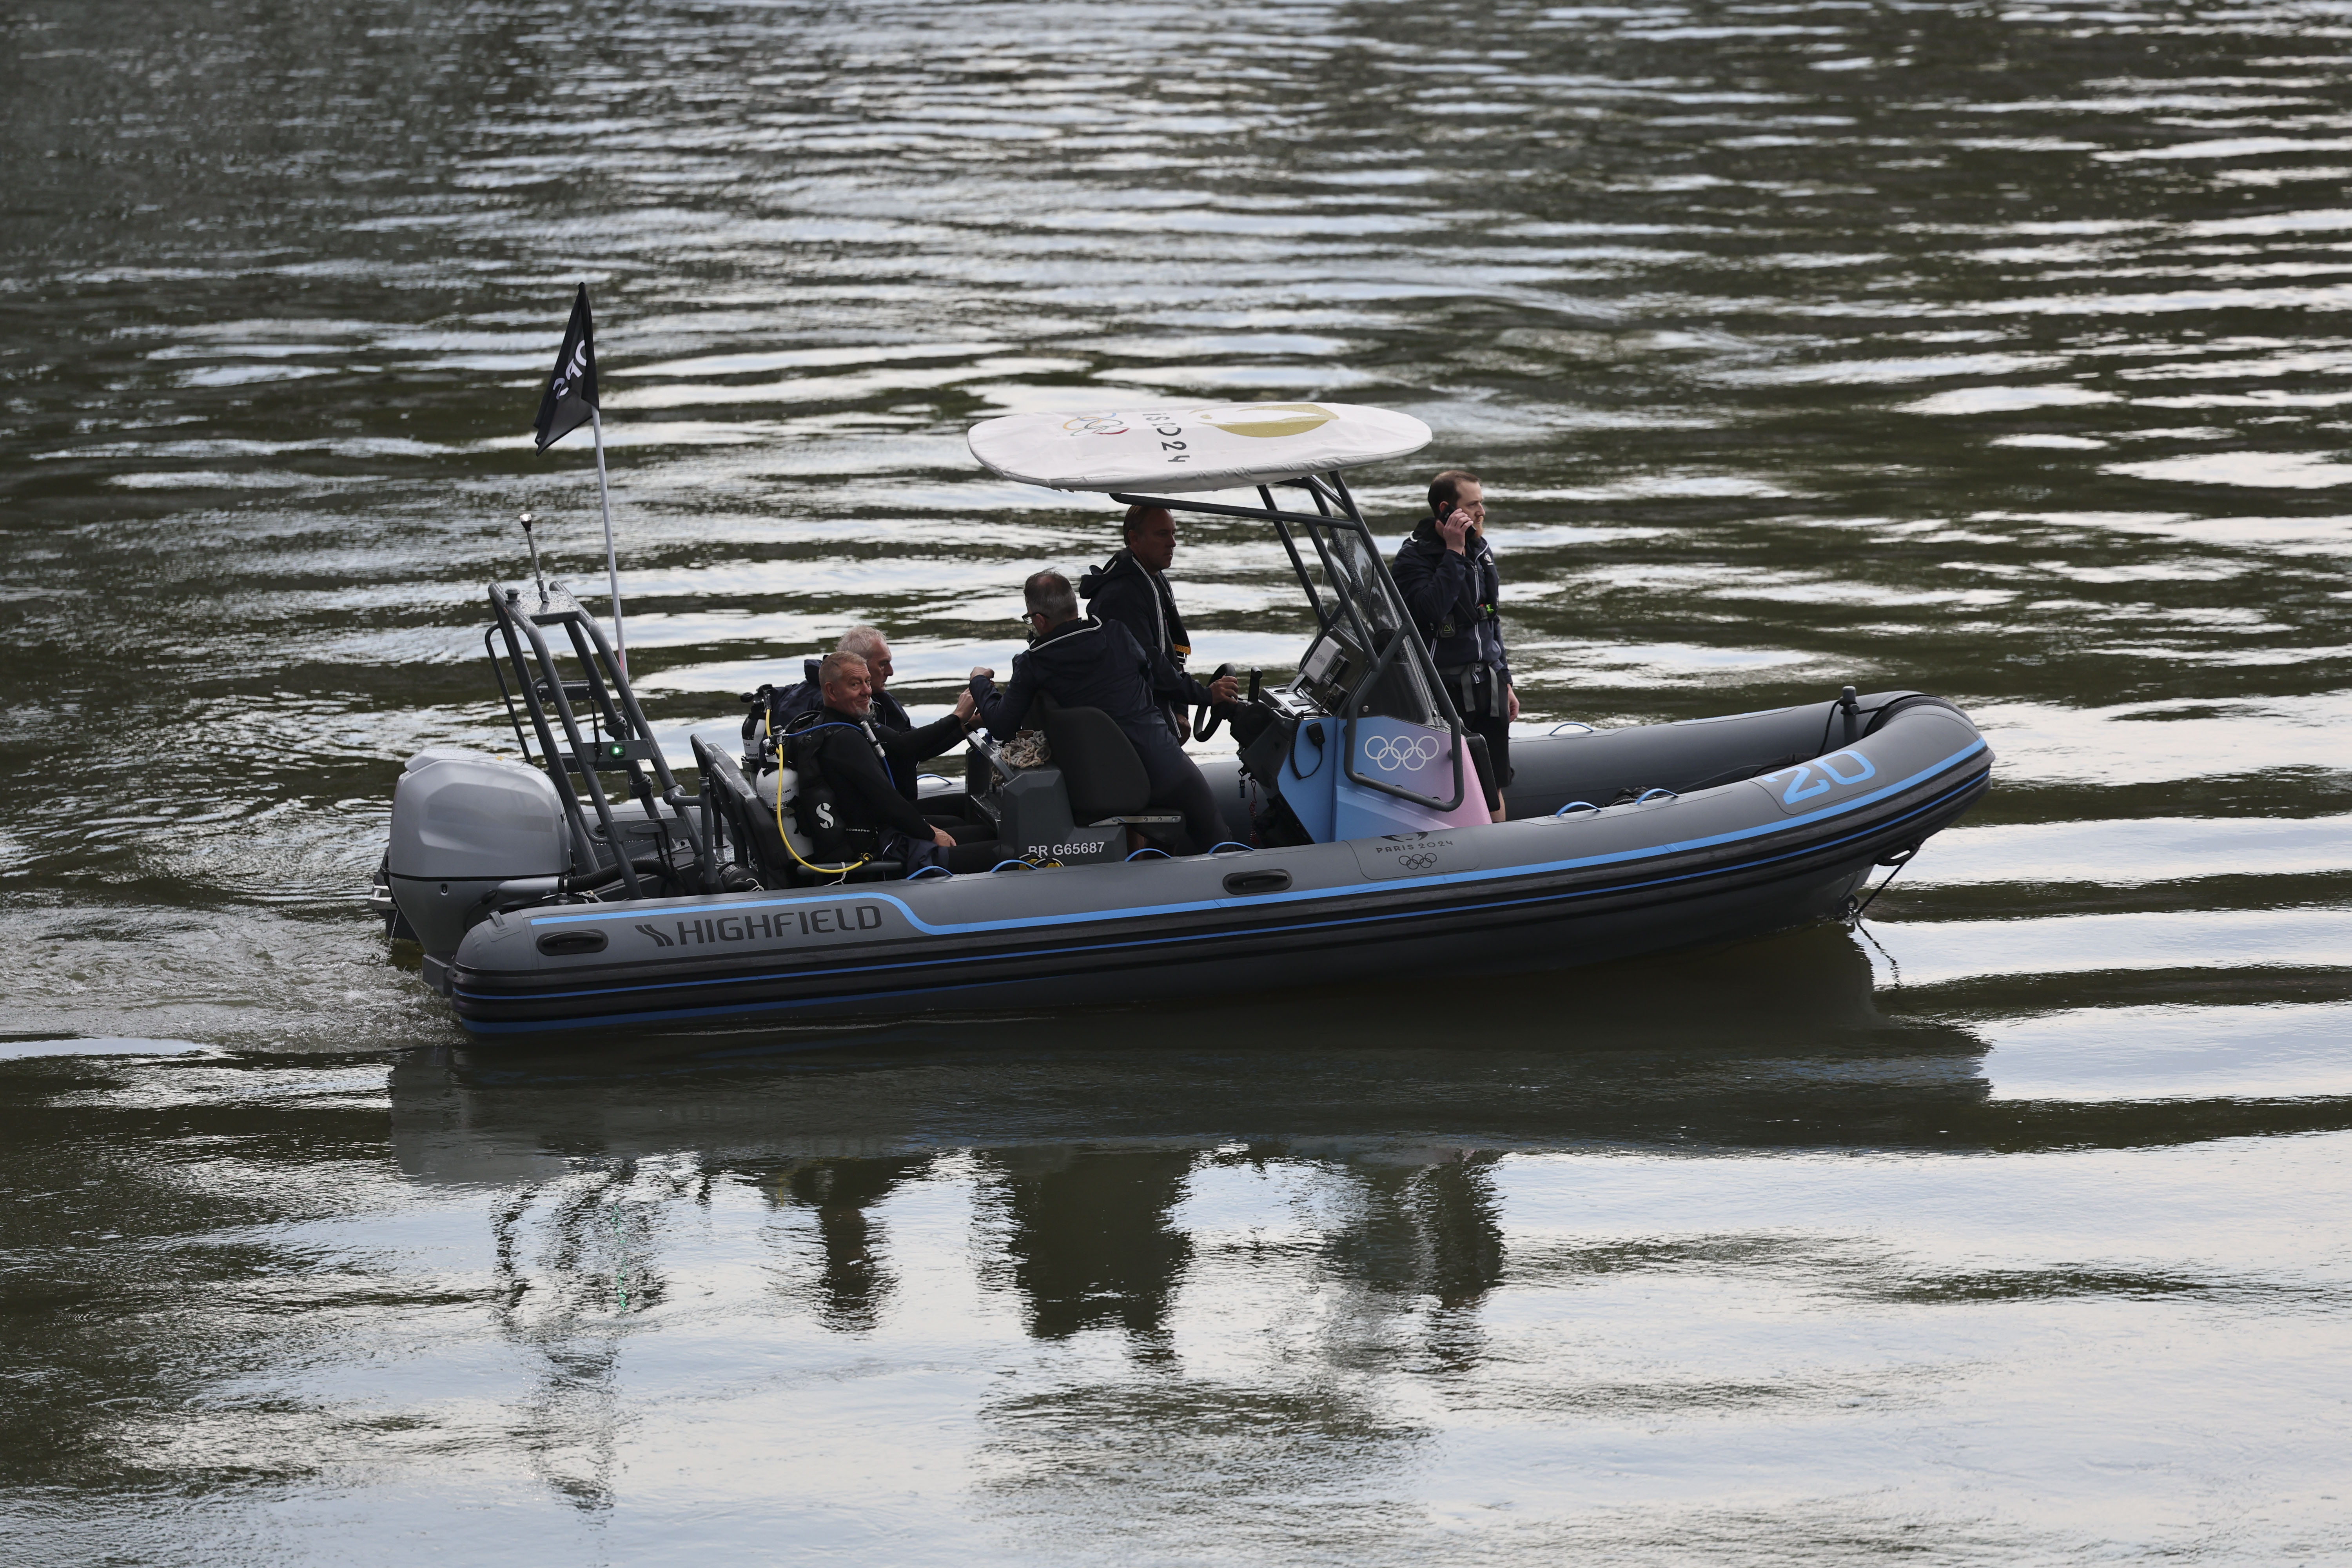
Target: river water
{"x": 1997, "y": 351}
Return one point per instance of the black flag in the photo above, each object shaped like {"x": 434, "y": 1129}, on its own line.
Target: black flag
{"x": 571, "y": 394}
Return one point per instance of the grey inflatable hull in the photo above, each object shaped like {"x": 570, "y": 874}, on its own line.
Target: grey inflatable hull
{"x": 1778, "y": 819}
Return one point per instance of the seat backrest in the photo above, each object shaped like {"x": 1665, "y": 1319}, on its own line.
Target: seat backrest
{"x": 1104, "y": 775}
{"x": 760, "y": 848}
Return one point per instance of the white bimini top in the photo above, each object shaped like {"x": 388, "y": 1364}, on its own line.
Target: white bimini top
{"x": 1185, "y": 446}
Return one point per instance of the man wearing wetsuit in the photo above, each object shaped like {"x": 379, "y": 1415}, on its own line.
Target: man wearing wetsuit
{"x": 1083, "y": 662}
{"x": 1453, "y": 589}
{"x": 869, "y": 644}
{"x": 854, "y": 753}
{"x": 1132, "y": 588}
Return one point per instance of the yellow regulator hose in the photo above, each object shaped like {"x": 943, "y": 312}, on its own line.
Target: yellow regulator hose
{"x": 787, "y": 837}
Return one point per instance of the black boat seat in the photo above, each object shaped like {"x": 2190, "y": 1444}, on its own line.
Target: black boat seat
{"x": 1107, "y": 786}
{"x": 752, "y": 831}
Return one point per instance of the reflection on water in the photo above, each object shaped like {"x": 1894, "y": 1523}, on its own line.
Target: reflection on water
{"x": 1662, "y": 1256}
{"x": 1988, "y": 350}
{"x": 1623, "y": 1052}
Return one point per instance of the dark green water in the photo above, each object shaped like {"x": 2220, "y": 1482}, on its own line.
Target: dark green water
{"x": 1997, "y": 352}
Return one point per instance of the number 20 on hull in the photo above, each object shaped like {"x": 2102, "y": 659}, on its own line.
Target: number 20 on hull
{"x": 1819, "y": 776}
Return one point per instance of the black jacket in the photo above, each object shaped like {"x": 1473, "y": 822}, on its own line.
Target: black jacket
{"x": 859, "y": 758}
{"x": 1125, "y": 590}
{"x": 1453, "y": 599}
{"x": 1084, "y": 663}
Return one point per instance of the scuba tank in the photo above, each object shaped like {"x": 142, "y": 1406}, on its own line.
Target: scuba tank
{"x": 808, "y": 798}
{"x": 755, "y": 729}
{"x": 812, "y": 824}
{"x": 776, "y": 782}
{"x": 764, "y": 789}
{"x": 761, "y": 725}
{"x": 772, "y": 709}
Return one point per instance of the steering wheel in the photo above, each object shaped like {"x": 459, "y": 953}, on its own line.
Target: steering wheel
{"x": 1205, "y": 718}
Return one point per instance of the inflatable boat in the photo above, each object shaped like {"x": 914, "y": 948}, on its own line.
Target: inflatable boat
{"x": 582, "y": 886}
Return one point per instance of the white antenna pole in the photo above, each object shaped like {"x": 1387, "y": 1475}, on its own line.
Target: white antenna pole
{"x": 612, "y": 562}
{"x": 536, "y": 574}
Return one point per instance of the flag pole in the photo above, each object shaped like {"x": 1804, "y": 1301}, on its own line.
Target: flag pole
{"x": 612, "y": 562}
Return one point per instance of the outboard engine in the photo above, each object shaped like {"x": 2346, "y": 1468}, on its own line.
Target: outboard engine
{"x": 461, "y": 825}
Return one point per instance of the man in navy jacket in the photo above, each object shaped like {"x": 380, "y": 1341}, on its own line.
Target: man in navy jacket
{"x": 1132, "y": 588}
{"x": 1453, "y": 589}
{"x": 1083, "y": 662}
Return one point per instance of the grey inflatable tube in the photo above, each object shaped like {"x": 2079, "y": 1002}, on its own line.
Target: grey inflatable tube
{"x": 1622, "y": 842}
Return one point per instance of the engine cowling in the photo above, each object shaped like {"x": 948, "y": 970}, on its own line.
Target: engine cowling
{"x": 462, "y": 824}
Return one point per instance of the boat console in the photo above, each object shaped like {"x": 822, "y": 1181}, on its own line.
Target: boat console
{"x": 1044, "y": 812}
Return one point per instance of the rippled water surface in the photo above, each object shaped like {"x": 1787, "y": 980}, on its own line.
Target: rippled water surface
{"x": 1999, "y": 353}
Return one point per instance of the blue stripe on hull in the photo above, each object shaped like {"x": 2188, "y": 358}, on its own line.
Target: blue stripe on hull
{"x": 838, "y": 1000}
{"x": 1138, "y": 912}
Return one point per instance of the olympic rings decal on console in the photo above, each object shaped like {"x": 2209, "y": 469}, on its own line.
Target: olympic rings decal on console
{"x": 1389, "y": 753}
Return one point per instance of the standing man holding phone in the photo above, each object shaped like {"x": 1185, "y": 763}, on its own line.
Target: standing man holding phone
{"x": 1453, "y": 591}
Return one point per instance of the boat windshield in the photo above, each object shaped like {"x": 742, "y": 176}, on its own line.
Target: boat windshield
{"x": 1363, "y": 625}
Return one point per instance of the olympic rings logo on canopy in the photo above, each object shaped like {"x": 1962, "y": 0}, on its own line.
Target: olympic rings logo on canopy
{"x": 1389, "y": 753}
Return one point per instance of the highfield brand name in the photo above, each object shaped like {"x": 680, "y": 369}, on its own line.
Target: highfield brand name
{"x": 782, "y": 925}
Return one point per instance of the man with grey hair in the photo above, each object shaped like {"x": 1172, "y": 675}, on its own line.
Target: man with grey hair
{"x": 854, "y": 755}
{"x": 873, "y": 649}
{"x": 1083, "y": 662}
{"x": 868, "y": 643}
